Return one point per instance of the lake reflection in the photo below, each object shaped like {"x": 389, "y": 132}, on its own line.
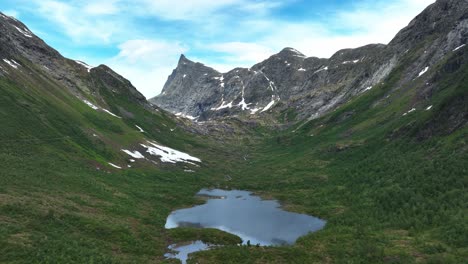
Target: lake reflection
{"x": 247, "y": 216}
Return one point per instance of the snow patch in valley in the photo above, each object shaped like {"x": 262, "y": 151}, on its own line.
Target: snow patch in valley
{"x": 97, "y": 108}
{"x": 302, "y": 69}
{"x": 91, "y": 105}
{"x": 459, "y": 47}
{"x": 134, "y": 154}
{"x": 410, "y": 111}
{"x": 170, "y": 155}
{"x": 139, "y": 128}
{"x": 429, "y": 108}
{"x": 110, "y": 113}
{"x": 115, "y": 166}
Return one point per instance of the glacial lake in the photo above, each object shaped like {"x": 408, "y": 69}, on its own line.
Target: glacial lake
{"x": 247, "y": 216}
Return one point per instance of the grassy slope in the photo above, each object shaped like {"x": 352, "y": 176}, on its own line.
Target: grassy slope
{"x": 387, "y": 194}
{"x": 55, "y": 206}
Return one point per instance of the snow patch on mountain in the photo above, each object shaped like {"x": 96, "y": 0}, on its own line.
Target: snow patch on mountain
{"x": 170, "y": 155}
{"x": 459, "y": 47}
{"x": 88, "y": 68}
{"x": 91, "y": 105}
{"x": 12, "y": 63}
{"x": 110, "y": 113}
{"x": 115, "y": 166}
{"x": 140, "y": 129}
{"x": 25, "y": 32}
{"x": 134, "y": 154}
{"x": 423, "y": 71}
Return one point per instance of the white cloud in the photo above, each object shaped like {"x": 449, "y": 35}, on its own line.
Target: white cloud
{"x": 242, "y": 52}
{"x": 147, "y": 63}
{"x": 200, "y": 9}
{"x": 234, "y": 32}
{"x": 362, "y": 25}
{"x": 108, "y": 7}
{"x": 83, "y": 23}
{"x": 148, "y": 51}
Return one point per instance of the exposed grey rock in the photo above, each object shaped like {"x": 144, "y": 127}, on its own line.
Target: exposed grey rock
{"x": 19, "y": 44}
{"x": 314, "y": 86}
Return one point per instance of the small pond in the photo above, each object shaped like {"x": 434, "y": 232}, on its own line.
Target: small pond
{"x": 182, "y": 252}
{"x": 259, "y": 221}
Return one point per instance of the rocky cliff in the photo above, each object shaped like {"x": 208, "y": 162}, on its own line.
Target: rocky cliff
{"x": 313, "y": 86}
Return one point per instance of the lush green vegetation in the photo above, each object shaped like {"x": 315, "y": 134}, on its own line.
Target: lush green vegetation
{"x": 391, "y": 187}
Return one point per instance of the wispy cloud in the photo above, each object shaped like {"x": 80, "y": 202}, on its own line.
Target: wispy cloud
{"x": 144, "y": 38}
{"x": 103, "y": 7}
{"x": 87, "y": 23}
{"x": 147, "y": 63}
{"x": 201, "y": 9}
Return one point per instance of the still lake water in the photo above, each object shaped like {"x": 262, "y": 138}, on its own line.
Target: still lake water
{"x": 247, "y": 216}
{"x": 182, "y": 252}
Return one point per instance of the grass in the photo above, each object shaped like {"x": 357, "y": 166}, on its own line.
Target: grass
{"x": 391, "y": 187}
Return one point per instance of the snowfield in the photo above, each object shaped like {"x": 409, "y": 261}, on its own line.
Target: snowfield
{"x": 167, "y": 154}
{"x": 134, "y": 154}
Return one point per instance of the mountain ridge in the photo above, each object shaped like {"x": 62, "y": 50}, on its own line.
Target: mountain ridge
{"x": 89, "y": 171}
{"x": 311, "y": 86}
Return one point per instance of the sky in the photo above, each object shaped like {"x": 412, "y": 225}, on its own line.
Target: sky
{"x": 143, "y": 39}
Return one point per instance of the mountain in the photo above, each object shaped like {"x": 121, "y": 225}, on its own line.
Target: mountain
{"x": 98, "y": 114}
{"x": 310, "y": 86}
{"x": 90, "y": 171}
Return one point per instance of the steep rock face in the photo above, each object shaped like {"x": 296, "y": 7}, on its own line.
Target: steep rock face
{"x": 313, "y": 86}
{"x": 199, "y": 91}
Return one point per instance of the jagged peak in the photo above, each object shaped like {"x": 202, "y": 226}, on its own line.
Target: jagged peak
{"x": 183, "y": 60}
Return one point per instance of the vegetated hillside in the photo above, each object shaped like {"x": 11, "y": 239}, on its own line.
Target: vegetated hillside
{"x": 309, "y": 87}
{"x": 68, "y": 191}
{"x": 386, "y": 169}
{"x": 390, "y": 180}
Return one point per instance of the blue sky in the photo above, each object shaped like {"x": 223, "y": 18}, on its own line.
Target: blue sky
{"x": 143, "y": 39}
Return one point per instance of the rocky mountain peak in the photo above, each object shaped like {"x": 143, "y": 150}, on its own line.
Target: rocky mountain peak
{"x": 21, "y": 51}
{"x": 291, "y": 52}
{"x": 183, "y": 60}
{"x": 312, "y": 86}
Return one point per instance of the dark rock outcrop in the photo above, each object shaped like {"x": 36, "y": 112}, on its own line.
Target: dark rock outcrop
{"x": 313, "y": 86}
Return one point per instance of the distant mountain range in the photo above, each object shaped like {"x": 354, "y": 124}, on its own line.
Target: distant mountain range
{"x": 312, "y": 86}
{"x": 373, "y": 140}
